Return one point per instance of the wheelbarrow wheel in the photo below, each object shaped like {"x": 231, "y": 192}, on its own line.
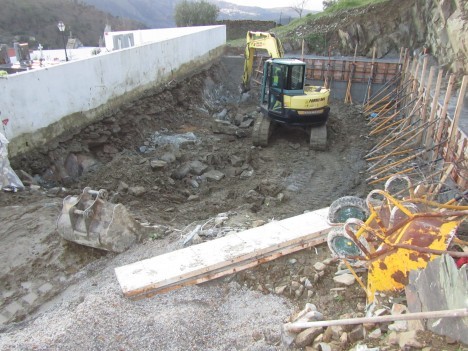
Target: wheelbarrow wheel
{"x": 347, "y": 207}
{"x": 341, "y": 245}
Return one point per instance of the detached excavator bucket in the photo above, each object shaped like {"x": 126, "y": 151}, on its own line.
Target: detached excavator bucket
{"x": 90, "y": 220}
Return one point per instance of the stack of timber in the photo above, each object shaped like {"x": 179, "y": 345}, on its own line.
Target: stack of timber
{"x": 415, "y": 134}
{"x": 220, "y": 257}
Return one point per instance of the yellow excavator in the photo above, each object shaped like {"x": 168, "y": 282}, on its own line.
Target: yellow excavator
{"x": 284, "y": 97}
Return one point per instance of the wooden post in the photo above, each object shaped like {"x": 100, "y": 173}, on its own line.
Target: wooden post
{"x": 302, "y": 55}
{"x": 443, "y": 116}
{"x": 327, "y": 83}
{"x": 427, "y": 94}
{"x": 435, "y": 101}
{"x": 456, "y": 116}
{"x": 348, "y": 98}
{"x": 369, "y": 86}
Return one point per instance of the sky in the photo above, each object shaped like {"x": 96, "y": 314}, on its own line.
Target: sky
{"x": 315, "y": 5}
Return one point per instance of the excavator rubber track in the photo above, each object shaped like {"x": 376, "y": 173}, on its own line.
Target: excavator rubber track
{"x": 262, "y": 130}
{"x": 318, "y": 138}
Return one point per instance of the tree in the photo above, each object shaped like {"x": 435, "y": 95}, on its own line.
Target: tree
{"x": 198, "y": 13}
{"x": 298, "y": 6}
{"x": 328, "y": 3}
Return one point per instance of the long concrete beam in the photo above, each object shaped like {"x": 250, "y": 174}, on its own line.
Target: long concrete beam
{"x": 220, "y": 257}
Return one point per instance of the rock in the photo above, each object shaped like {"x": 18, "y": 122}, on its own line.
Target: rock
{"x": 450, "y": 340}
{"x": 252, "y": 197}
{"x": 136, "y": 191}
{"x": 319, "y": 266}
{"x": 375, "y": 334}
{"x": 279, "y": 290}
{"x": 294, "y": 146}
{"x": 55, "y": 190}
{"x": 256, "y": 335}
{"x": 345, "y": 279}
{"x": 336, "y": 331}
{"x": 197, "y": 167}
{"x": 308, "y": 284}
{"x": 247, "y": 174}
{"x": 236, "y": 161}
{"x": 158, "y": 165}
{"x": 34, "y": 188}
{"x": 287, "y": 336}
{"x": 398, "y": 309}
{"x": 238, "y": 119}
{"x": 109, "y": 149}
{"x": 393, "y": 338}
{"x": 356, "y": 334}
{"x": 193, "y": 198}
{"x": 328, "y": 261}
{"x": 181, "y": 171}
{"x": 168, "y": 157}
{"x": 246, "y": 123}
{"x": 323, "y": 346}
{"x": 307, "y": 336}
{"x": 299, "y": 291}
{"x": 220, "y": 220}
{"x": 123, "y": 187}
{"x": 328, "y": 334}
{"x": 213, "y": 175}
{"x": 344, "y": 339}
{"x": 398, "y": 326}
{"x": 222, "y": 115}
{"x": 381, "y": 312}
{"x": 258, "y": 223}
{"x": 309, "y": 313}
{"x": 72, "y": 166}
{"x": 224, "y": 127}
{"x": 192, "y": 182}
{"x": 86, "y": 162}
{"x": 416, "y": 325}
{"x": 409, "y": 339}
{"x": 295, "y": 285}
{"x": 293, "y": 188}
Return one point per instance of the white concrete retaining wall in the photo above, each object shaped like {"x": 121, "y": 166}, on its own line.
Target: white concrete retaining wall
{"x": 41, "y": 104}
{"x": 142, "y": 37}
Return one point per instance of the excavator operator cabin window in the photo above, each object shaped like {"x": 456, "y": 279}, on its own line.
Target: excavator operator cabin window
{"x": 296, "y": 76}
{"x": 276, "y": 76}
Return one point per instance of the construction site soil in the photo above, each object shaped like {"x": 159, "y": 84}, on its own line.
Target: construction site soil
{"x": 57, "y": 295}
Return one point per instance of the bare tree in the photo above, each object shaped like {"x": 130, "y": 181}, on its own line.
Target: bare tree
{"x": 298, "y": 6}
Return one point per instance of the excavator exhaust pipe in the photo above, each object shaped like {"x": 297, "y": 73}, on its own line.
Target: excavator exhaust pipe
{"x": 90, "y": 220}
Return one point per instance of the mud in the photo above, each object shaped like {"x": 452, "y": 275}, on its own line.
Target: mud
{"x": 119, "y": 153}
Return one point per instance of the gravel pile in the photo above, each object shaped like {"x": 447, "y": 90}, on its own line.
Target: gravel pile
{"x": 94, "y": 315}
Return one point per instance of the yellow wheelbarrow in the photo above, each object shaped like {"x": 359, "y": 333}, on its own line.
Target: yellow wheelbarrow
{"x": 397, "y": 236}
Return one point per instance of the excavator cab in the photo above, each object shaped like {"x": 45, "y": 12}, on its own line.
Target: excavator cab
{"x": 286, "y": 99}
{"x": 283, "y": 77}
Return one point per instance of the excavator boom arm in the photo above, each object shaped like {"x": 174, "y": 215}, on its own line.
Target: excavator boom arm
{"x": 261, "y": 41}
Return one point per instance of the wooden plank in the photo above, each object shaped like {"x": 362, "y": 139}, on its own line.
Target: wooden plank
{"x": 223, "y": 256}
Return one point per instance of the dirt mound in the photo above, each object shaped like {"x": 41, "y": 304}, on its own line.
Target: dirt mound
{"x": 161, "y": 158}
